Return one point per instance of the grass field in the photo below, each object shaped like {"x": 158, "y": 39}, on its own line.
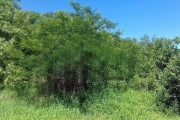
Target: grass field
{"x": 130, "y": 105}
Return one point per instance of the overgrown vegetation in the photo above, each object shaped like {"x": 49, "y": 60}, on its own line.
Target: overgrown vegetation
{"x": 137, "y": 105}
{"x": 74, "y": 58}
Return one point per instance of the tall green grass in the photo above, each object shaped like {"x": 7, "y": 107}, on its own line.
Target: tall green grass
{"x": 111, "y": 105}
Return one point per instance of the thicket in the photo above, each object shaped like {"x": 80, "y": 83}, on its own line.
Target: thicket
{"x": 62, "y": 53}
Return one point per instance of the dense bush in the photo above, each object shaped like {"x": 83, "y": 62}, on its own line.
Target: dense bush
{"x": 61, "y": 45}
{"x": 127, "y": 58}
{"x": 65, "y": 52}
{"x": 170, "y": 79}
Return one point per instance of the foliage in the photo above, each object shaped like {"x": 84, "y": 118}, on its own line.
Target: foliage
{"x": 156, "y": 54}
{"x": 55, "y": 45}
{"x": 170, "y": 79}
{"x": 53, "y": 53}
{"x": 126, "y": 59}
{"x": 9, "y": 33}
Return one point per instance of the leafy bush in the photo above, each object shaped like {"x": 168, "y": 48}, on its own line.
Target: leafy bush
{"x": 57, "y": 46}
{"x": 126, "y": 59}
{"x": 170, "y": 79}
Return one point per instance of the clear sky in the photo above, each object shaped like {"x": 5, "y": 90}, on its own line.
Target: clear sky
{"x": 135, "y": 17}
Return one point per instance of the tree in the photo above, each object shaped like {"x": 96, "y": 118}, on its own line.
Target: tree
{"x": 8, "y": 32}
{"x": 170, "y": 79}
{"x": 15, "y": 26}
{"x": 58, "y": 45}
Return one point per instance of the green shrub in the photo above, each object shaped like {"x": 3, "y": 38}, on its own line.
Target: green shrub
{"x": 170, "y": 79}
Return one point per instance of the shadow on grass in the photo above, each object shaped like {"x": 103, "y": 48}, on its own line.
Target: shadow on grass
{"x": 81, "y": 100}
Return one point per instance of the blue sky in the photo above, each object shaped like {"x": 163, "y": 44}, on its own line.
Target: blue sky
{"x": 135, "y": 17}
